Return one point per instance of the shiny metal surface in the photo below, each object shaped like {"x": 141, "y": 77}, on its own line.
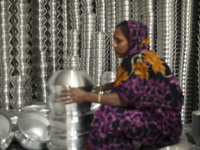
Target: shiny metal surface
{"x": 6, "y": 134}
{"x": 33, "y": 108}
{"x": 71, "y": 124}
{"x": 70, "y": 78}
{"x": 52, "y": 146}
{"x": 61, "y": 109}
{"x": 108, "y": 77}
{"x": 32, "y": 133}
{"x": 73, "y": 141}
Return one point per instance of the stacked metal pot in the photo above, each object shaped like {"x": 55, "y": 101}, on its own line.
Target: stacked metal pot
{"x": 70, "y": 123}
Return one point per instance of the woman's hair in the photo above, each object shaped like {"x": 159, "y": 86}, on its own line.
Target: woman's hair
{"x": 124, "y": 27}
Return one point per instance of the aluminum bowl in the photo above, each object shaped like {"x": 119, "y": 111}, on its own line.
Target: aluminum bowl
{"x": 32, "y": 130}
{"x": 6, "y": 134}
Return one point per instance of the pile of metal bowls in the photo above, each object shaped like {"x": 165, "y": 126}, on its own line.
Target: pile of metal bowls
{"x": 70, "y": 123}
{"x": 28, "y": 126}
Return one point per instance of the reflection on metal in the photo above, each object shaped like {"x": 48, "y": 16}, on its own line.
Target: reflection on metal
{"x": 39, "y": 37}
{"x": 70, "y": 123}
{"x": 185, "y": 73}
{"x": 6, "y": 48}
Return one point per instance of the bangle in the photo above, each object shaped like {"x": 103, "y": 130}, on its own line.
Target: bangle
{"x": 99, "y": 98}
{"x": 101, "y": 88}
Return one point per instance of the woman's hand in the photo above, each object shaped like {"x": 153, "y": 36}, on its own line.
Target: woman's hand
{"x": 73, "y": 95}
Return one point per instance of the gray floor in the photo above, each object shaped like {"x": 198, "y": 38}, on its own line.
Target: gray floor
{"x": 15, "y": 146}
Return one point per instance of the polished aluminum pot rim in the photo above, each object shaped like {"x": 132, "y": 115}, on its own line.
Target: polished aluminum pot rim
{"x": 35, "y": 107}
{"x": 28, "y": 143}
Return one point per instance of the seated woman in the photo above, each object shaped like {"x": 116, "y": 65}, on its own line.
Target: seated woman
{"x": 145, "y": 102}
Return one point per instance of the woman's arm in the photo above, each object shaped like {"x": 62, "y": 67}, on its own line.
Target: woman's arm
{"x": 79, "y": 95}
{"x": 104, "y": 87}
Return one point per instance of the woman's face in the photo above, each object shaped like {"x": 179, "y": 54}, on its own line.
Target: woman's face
{"x": 120, "y": 43}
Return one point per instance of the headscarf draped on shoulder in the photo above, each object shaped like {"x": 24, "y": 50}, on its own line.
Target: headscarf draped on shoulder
{"x": 138, "y": 41}
{"x": 143, "y": 77}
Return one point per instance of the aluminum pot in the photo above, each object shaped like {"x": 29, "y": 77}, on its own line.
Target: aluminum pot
{"x": 51, "y": 146}
{"x": 32, "y": 130}
{"x": 69, "y": 141}
{"x": 70, "y": 78}
{"x": 6, "y": 134}
{"x": 61, "y": 109}
{"x": 71, "y": 123}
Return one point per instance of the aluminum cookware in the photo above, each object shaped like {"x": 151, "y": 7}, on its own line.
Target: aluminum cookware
{"x": 71, "y": 123}
{"x": 70, "y": 78}
{"x": 61, "y": 109}
{"x": 32, "y": 130}
{"x": 6, "y": 134}
{"x": 51, "y": 146}
{"x": 69, "y": 141}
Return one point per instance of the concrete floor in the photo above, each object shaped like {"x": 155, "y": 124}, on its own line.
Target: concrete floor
{"x": 186, "y": 128}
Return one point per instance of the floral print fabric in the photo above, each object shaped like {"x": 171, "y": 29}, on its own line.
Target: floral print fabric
{"x": 144, "y": 81}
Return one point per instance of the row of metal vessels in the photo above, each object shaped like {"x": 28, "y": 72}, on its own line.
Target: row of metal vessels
{"x": 54, "y": 125}
{"x": 38, "y": 38}
{"x": 41, "y": 37}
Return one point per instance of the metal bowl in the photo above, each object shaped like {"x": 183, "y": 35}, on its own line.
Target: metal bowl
{"x": 32, "y": 130}
{"x": 6, "y": 134}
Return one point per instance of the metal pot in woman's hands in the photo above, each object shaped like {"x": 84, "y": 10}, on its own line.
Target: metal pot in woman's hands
{"x": 70, "y": 78}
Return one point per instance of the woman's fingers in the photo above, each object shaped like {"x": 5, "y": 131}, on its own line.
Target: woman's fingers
{"x": 72, "y": 95}
{"x": 66, "y": 96}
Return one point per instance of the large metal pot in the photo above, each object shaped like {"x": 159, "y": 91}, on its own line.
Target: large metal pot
{"x": 6, "y": 134}
{"x": 71, "y": 123}
{"x": 51, "y": 146}
{"x": 62, "y": 139}
{"x": 32, "y": 130}
{"x": 70, "y": 78}
{"x": 61, "y": 109}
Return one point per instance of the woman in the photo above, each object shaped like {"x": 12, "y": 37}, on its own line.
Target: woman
{"x": 145, "y": 102}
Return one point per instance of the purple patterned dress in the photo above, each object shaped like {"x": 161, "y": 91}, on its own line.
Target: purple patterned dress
{"x": 154, "y": 97}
